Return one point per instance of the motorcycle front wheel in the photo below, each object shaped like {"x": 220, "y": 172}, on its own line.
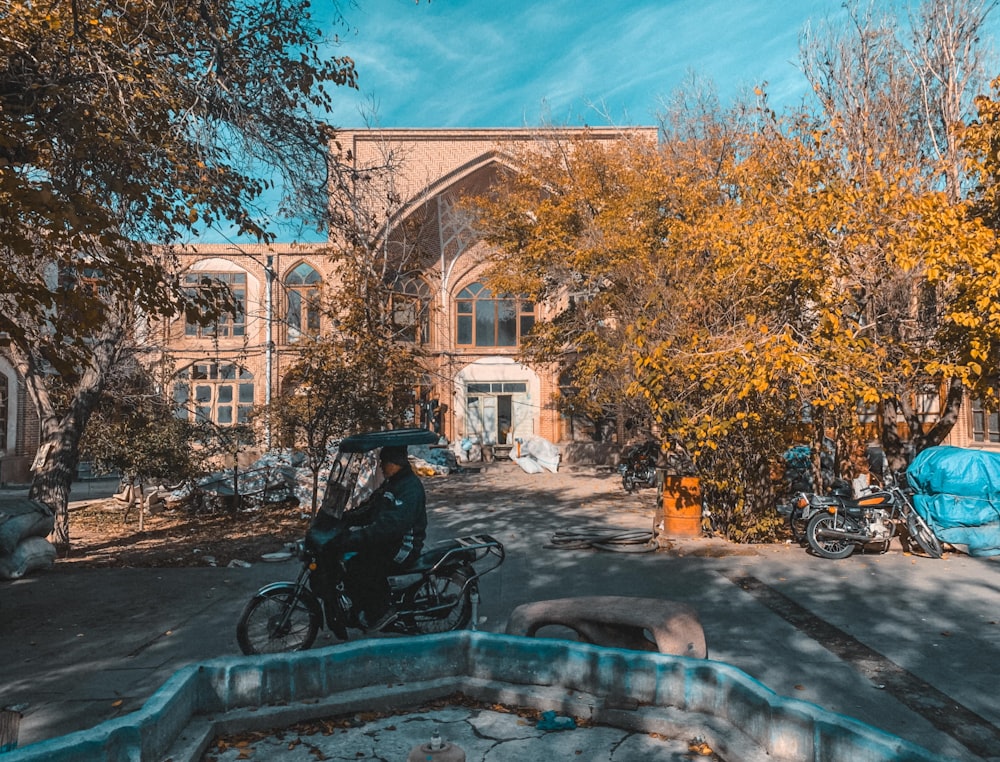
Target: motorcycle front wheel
{"x": 443, "y": 603}
{"x": 275, "y": 621}
{"x": 825, "y": 546}
{"x": 628, "y": 482}
{"x": 921, "y": 531}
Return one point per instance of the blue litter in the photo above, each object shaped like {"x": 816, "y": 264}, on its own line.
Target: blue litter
{"x": 551, "y": 721}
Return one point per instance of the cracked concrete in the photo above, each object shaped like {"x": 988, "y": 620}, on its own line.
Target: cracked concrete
{"x": 484, "y": 735}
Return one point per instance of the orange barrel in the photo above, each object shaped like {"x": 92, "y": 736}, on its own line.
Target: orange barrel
{"x": 680, "y": 506}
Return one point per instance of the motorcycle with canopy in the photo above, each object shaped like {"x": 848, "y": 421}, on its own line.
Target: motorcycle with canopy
{"x": 438, "y": 593}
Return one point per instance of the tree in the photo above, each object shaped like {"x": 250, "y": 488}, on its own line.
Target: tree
{"x": 377, "y": 246}
{"x": 746, "y": 286}
{"x": 892, "y": 93}
{"x": 573, "y": 229}
{"x": 325, "y": 397}
{"x": 123, "y": 124}
{"x": 136, "y": 431}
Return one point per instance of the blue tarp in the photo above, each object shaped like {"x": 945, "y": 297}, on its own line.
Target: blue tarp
{"x": 957, "y": 491}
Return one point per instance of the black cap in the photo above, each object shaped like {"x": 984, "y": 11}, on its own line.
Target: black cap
{"x": 394, "y": 454}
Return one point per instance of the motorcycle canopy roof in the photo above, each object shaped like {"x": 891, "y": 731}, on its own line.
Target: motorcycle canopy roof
{"x": 372, "y": 440}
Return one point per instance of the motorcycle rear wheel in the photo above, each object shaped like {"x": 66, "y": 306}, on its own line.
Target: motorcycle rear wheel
{"x": 276, "y": 621}
{"x": 826, "y": 547}
{"x": 921, "y": 531}
{"x": 440, "y": 592}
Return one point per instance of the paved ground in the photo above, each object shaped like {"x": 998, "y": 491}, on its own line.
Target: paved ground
{"x": 908, "y": 644}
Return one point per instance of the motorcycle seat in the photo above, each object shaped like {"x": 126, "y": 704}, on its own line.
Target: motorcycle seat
{"x": 880, "y": 499}
{"x": 428, "y": 559}
{"x": 433, "y": 555}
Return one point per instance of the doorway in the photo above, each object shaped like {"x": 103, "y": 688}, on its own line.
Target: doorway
{"x": 498, "y": 412}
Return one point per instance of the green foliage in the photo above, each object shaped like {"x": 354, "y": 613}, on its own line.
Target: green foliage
{"x": 134, "y": 431}
{"x": 340, "y": 386}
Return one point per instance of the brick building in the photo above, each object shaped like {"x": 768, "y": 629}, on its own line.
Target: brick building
{"x": 474, "y": 386}
{"x": 19, "y": 427}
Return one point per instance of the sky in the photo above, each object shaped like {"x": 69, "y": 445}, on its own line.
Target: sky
{"x": 527, "y": 63}
{"x": 518, "y": 63}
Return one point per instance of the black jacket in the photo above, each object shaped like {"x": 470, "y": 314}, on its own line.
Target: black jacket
{"x": 393, "y": 520}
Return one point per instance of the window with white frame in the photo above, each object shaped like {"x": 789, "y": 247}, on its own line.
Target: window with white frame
{"x": 227, "y": 325}
{"x": 928, "y": 405}
{"x": 220, "y": 392}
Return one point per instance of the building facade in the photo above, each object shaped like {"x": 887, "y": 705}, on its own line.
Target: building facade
{"x": 19, "y": 427}
{"x": 475, "y": 387}
{"x": 474, "y": 384}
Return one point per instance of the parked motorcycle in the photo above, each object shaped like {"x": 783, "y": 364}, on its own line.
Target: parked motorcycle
{"x": 439, "y": 593}
{"x": 840, "y": 524}
{"x": 804, "y": 505}
{"x": 638, "y": 466}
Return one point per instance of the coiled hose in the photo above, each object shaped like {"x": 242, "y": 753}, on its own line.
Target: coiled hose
{"x": 600, "y": 537}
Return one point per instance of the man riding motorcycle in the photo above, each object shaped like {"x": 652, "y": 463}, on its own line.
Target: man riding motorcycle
{"x": 387, "y": 533}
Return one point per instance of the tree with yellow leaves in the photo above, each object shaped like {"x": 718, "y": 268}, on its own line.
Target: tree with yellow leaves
{"x": 740, "y": 287}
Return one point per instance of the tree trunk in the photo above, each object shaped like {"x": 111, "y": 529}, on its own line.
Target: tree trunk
{"x": 62, "y": 429}
{"x": 53, "y": 479}
{"x": 898, "y": 449}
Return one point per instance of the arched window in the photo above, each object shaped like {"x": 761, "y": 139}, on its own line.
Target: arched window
{"x": 220, "y": 392}
{"x": 487, "y": 321}
{"x": 302, "y": 292}
{"x": 4, "y": 410}
{"x": 411, "y": 299}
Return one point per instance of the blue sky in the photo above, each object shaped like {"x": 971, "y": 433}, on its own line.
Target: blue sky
{"x": 483, "y": 63}
{"x": 523, "y": 63}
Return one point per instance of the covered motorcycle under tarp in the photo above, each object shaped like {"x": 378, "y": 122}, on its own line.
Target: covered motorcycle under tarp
{"x": 957, "y": 490}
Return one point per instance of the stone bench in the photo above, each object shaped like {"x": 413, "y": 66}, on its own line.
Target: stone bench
{"x": 640, "y": 624}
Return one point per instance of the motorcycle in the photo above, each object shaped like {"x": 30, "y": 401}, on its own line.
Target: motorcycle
{"x": 438, "y": 593}
{"x": 638, "y": 467}
{"x": 840, "y": 524}
{"x": 806, "y": 504}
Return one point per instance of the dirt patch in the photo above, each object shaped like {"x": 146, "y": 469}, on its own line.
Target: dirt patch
{"x": 103, "y": 535}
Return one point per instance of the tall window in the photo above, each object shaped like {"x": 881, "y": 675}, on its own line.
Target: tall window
{"x": 302, "y": 292}
{"x": 220, "y": 392}
{"x": 985, "y": 423}
{"x": 4, "y": 410}
{"x": 411, "y": 312}
{"x": 487, "y": 321}
{"x": 928, "y": 404}
{"x": 227, "y": 325}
